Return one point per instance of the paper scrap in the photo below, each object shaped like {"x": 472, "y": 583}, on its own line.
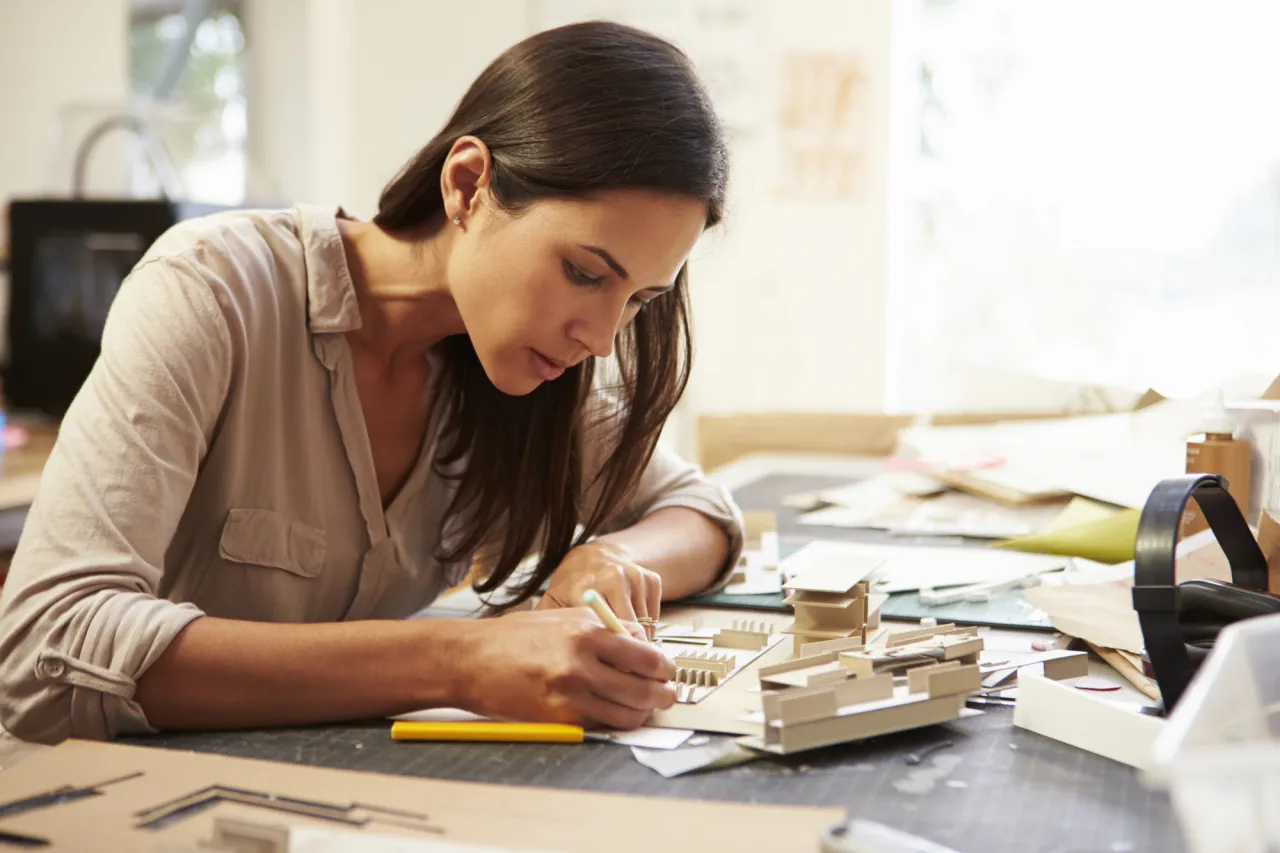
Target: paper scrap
{"x": 442, "y": 715}
{"x": 1105, "y": 540}
{"x": 677, "y": 762}
{"x": 1101, "y": 614}
{"x": 961, "y": 514}
{"x": 650, "y": 737}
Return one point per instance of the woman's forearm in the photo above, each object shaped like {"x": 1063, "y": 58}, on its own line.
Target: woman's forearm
{"x": 682, "y": 545}
{"x": 221, "y": 673}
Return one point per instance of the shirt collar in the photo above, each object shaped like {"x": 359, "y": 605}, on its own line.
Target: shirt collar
{"x": 331, "y": 296}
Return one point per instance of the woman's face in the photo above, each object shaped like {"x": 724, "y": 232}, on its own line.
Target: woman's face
{"x": 544, "y": 289}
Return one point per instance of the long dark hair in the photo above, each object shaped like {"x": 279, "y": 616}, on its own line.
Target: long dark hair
{"x": 566, "y": 112}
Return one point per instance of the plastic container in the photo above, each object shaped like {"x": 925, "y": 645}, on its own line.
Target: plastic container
{"x": 1219, "y": 755}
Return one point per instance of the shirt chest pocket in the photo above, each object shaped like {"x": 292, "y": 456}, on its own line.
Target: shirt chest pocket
{"x": 263, "y": 537}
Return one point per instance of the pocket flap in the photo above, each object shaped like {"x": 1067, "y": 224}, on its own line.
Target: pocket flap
{"x": 264, "y": 537}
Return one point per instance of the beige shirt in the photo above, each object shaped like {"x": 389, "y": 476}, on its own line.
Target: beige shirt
{"x": 216, "y": 462}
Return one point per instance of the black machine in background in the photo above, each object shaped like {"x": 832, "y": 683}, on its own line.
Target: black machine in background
{"x": 67, "y": 258}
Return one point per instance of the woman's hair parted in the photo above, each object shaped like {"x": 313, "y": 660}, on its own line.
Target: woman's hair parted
{"x": 565, "y": 113}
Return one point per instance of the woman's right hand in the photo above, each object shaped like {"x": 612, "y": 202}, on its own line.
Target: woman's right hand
{"x": 563, "y": 666}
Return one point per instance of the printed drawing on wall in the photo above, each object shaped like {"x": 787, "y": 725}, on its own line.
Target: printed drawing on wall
{"x": 823, "y": 126}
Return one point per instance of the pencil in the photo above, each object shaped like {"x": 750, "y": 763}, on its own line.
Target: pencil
{"x": 597, "y": 603}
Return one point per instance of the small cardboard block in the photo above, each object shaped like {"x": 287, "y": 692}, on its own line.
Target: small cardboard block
{"x": 796, "y": 663}
{"x": 918, "y": 678}
{"x": 803, "y": 709}
{"x": 727, "y": 638}
{"x": 965, "y": 679}
{"x": 850, "y": 644}
{"x": 857, "y": 664}
{"x": 855, "y": 691}
{"x": 1067, "y": 667}
{"x": 906, "y": 638}
{"x": 964, "y": 648}
{"x": 826, "y": 673}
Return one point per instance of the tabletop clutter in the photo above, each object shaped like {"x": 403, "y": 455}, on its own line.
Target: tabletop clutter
{"x": 1032, "y": 523}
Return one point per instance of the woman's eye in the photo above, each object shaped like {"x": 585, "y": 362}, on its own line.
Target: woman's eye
{"x": 577, "y": 275}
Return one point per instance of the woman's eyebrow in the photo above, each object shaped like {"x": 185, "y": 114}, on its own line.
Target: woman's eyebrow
{"x": 608, "y": 259}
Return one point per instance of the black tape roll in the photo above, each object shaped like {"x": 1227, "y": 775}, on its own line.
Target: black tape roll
{"x": 1155, "y": 585}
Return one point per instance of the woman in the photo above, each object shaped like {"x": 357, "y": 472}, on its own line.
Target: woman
{"x": 303, "y": 427}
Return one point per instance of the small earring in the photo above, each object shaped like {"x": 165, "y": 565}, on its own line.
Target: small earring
{"x": 457, "y": 220}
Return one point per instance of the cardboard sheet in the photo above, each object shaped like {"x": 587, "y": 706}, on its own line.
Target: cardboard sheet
{"x": 520, "y": 818}
{"x": 1101, "y": 614}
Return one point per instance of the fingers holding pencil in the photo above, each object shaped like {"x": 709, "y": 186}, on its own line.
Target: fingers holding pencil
{"x": 596, "y": 602}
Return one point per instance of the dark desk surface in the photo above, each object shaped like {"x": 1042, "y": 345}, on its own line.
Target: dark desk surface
{"x": 1010, "y": 790}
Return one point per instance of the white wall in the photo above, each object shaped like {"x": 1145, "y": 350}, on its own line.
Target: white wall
{"x": 53, "y": 52}
{"x": 344, "y": 91}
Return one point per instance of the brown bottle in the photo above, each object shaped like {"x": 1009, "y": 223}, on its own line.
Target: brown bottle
{"x": 1218, "y": 451}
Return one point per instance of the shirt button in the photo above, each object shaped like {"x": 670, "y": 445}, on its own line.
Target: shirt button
{"x": 54, "y": 668}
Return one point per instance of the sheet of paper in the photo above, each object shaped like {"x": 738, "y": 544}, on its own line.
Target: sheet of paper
{"x": 1115, "y": 458}
{"x": 849, "y": 517}
{"x": 648, "y": 737}
{"x": 883, "y": 489}
{"x": 904, "y": 568}
{"x": 678, "y": 762}
{"x": 960, "y": 514}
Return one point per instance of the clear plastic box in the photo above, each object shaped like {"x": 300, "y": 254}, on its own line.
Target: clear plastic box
{"x": 1219, "y": 755}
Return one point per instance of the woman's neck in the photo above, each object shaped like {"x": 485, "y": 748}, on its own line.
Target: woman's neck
{"x": 405, "y": 304}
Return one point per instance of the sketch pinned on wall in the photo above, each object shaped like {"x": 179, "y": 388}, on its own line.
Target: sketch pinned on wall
{"x": 823, "y": 126}
{"x": 720, "y": 36}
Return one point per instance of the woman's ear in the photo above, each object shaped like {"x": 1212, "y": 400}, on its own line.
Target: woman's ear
{"x": 464, "y": 177}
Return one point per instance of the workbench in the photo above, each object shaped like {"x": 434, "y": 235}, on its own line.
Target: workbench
{"x": 1009, "y": 790}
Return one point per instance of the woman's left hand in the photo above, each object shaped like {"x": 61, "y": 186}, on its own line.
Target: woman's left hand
{"x": 632, "y": 591}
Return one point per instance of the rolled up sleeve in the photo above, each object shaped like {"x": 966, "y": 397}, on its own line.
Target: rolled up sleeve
{"x": 667, "y": 481}
{"x": 80, "y": 620}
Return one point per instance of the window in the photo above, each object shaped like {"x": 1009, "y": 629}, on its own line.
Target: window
{"x": 187, "y": 68}
{"x": 1093, "y": 194}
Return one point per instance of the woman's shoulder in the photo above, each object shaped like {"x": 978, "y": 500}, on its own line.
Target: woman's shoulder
{"x": 229, "y": 243}
{"x": 253, "y": 261}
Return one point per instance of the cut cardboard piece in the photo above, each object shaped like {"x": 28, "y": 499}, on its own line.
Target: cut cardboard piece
{"x": 519, "y": 818}
{"x": 703, "y": 670}
{"x": 1273, "y": 390}
{"x": 1129, "y": 666}
{"x": 829, "y": 608}
{"x": 834, "y": 575}
{"x": 1269, "y": 542}
{"x": 1101, "y": 613}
